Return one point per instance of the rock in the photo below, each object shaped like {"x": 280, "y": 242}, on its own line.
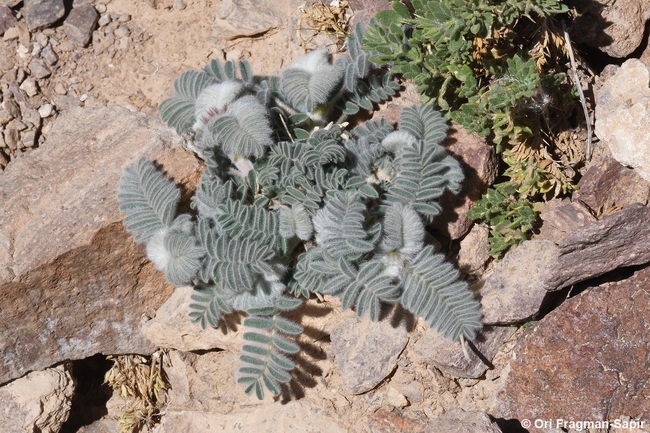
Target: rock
{"x": 80, "y": 23}
{"x": 480, "y": 166}
{"x": 365, "y": 351}
{"x": 40, "y": 401}
{"x": 72, "y": 281}
{"x": 45, "y": 110}
{"x": 11, "y": 34}
{"x": 474, "y": 250}
{"x": 448, "y": 357}
{"x": 5, "y": 117}
{"x": 593, "y": 351}
{"x": 12, "y": 108}
{"x": 383, "y": 421}
{"x": 7, "y": 20}
{"x": 6, "y": 59}
{"x": 459, "y": 421}
{"x": 49, "y": 55}
{"x": 30, "y": 87}
{"x": 101, "y": 426}
{"x": 562, "y": 218}
{"x": 613, "y": 26}
{"x": 610, "y": 185}
{"x": 366, "y": 9}
{"x": 9, "y": 3}
{"x": 172, "y": 328}
{"x": 297, "y": 416}
{"x": 39, "y": 69}
{"x": 623, "y": 116}
{"x": 246, "y": 18}
{"x": 619, "y": 240}
{"x": 517, "y": 287}
{"x": 41, "y": 14}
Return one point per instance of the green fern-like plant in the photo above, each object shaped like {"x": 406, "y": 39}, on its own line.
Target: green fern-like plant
{"x": 288, "y": 207}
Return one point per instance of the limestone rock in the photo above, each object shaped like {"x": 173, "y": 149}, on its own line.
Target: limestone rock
{"x": 448, "y": 357}
{"x": 246, "y": 18}
{"x": 72, "y": 281}
{"x": 459, "y": 421}
{"x": 516, "y": 289}
{"x": 610, "y": 185}
{"x": 172, "y": 328}
{"x": 80, "y": 23}
{"x": 593, "y": 351}
{"x": 41, "y": 14}
{"x": 383, "y": 421}
{"x": 40, "y": 401}
{"x": 297, "y": 416}
{"x": 474, "y": 250}
{"x": 623, "y": 116}
{"x": 613, "y": 26}
{"x": 618, "y": 240}
{"x": 562, "y": 218}
{"x": 365, "y": 351}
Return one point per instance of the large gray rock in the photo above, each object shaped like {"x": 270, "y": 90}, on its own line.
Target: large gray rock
{"x": 246, "y": 18}
{"x": 514, "y": 292}
{"x": 613, "y": 26}
{"x": 80, "y": 23}
{"x": 365, "y": 351}
{"x": 40, "y": 401}
{"x": 623, "y": 116}
{"x": 72, "y": 282}
{"x": 448, "y": 357}
{"x": 41, "y": 14}
{"x": 586, "y": 360}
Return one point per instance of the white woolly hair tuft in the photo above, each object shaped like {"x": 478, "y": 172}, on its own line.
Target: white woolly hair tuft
{"x": 156, "y": 250}
{"x": 316, "y": 61}
{"x": 397, "y": 140}
{"x": 215, "y": 98}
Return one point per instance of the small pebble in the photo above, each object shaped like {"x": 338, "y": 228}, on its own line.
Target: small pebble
{"x": 30, "y": 87}
{"x": 83, "y": 97}
{"x": 101, "y": 8}
{"x": 36, "y": 49}
{"x": 11, "y": 34}
{"x": 179, "y": 5}
{"x": 60, "y": 89}
{"x": 41, "y": 39}
{"x": 121, "y": 32}
{"x": 46, "y": 110}
{"x": 103, "y": 20}
{"x": 49, "y": 55}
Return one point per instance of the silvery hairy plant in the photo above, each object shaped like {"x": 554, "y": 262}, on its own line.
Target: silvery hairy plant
{"x": 291, "y": 204}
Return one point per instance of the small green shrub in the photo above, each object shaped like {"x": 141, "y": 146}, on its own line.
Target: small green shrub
{"x": 292, "y": 204}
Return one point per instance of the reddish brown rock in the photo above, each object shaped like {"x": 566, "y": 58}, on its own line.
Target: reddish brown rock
{"x": 7, "y": 20}
{"x": 611, "y": 185}
{"x": 586, "y": 360}
{"x": 613, "y": 26}
{"x": 618, "y": 240}
{"x": 72, "y": 282}
{"x": 562, "y": 218}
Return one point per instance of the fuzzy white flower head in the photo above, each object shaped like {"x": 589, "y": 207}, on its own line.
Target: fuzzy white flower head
{"x": 398, "y": 140}
{"x": 156, "y": 250}
{"x": 215, "y": 99}
{"x": 316, "y": 61}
